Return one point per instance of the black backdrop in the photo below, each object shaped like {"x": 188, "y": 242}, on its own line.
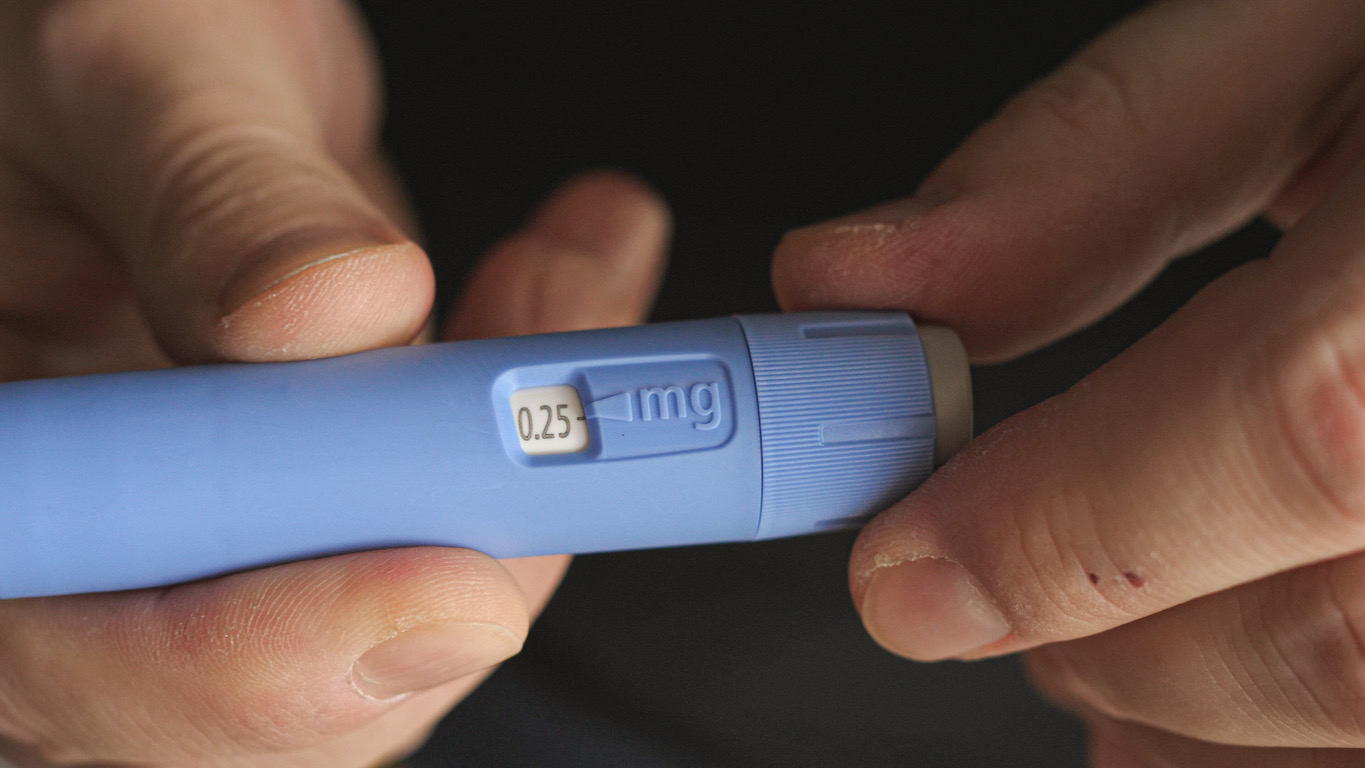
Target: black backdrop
{"x": 751, "y": 118}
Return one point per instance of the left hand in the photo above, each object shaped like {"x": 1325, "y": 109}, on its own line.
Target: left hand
{"x": 201, "y": 181}
{"x": 252, "y": 669}
{"x": 1179, "y": 541}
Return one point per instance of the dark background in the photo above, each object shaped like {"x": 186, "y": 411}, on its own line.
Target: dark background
{"x": 750, "y": 118}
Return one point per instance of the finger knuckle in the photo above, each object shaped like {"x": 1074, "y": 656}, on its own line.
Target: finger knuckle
{"x": 1062, "y": 677}
{"x": 78, "y": 40}
{"x": 104, "y": 52}
{"x": 1315, "y": 384}
{"x": 1340, "y": 658}
{"x": 1311, "y": 642}
{"x": 1050, "y": 673}
{"x": 1095, "y": 96}
{"x": 209, "y": 181}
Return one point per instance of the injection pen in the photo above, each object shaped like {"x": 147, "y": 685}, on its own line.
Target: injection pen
{"x": 732, "y": 429}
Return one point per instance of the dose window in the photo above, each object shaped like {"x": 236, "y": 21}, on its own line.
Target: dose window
{"x": 549, "y": 420}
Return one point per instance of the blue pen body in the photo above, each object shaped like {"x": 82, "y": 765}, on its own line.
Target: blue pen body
{"x": 682, "y": 433}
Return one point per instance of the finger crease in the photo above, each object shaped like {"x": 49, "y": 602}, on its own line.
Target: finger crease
{"x": 1339, "y": 604}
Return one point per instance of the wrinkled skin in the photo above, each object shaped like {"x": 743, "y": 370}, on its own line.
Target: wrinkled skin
{"x": 1175, "y": 542}
{"x": 194, "y": 182}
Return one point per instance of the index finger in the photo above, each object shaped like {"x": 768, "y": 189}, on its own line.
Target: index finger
{"x": 1225, "y": 447}
{"x": 1171, "y": 130}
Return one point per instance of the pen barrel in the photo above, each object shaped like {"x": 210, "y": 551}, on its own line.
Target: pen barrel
{"x": 143, "y": 479}
{"x": 678, "y": 433}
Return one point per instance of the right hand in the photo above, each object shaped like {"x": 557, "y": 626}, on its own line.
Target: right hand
{"x": 200, "y": 181}
{"x": 1178, "y": 541}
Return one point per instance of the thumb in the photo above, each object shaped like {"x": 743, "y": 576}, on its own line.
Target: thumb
{"x": 271, "y": 661}
{"x": 212, "y": 148}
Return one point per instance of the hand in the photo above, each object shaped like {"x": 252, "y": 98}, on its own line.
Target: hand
{"x": 185, "y": 182}
{"x": 1178, "y": 538}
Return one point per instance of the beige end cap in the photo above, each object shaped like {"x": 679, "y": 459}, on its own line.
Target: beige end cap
{"x": 951, "y": 380}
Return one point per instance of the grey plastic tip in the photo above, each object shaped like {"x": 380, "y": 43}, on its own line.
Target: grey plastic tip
{"x": 951, "y": 381}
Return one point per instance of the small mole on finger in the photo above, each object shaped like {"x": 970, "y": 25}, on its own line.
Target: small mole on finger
{"x": 1094, "y": 578}
{"x": 1133, "y": 578}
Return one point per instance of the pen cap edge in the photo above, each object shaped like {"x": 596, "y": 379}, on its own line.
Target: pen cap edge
{"x": 951, "y": 383}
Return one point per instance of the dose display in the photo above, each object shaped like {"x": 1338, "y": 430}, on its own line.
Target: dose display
{"x": 549, "y": 420}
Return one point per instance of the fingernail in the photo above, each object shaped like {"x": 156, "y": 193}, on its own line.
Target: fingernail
{"x": 295, "y": 252}
{"x": 431, "y": 655}
{"x": 930, "y": 609}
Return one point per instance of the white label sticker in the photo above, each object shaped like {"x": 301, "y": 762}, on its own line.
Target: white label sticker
{"x": 549, "y": 420}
